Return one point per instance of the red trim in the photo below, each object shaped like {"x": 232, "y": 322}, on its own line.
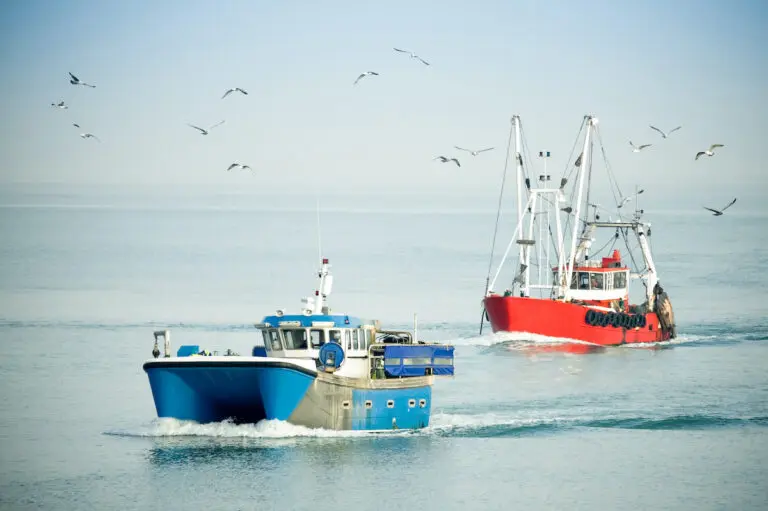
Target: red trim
{"x": 552, "y": 318}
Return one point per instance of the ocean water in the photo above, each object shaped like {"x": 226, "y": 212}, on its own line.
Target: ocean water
{"x": 86, "y": 277}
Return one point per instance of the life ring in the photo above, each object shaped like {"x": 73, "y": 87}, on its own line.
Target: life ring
{"x": 612, "y": 318}
{"x": 643, "y": 321}
{"x": 602, "y": 319}
{"x": 590, "y": 317}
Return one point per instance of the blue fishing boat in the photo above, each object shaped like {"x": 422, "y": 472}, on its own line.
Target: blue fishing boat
{"x": 316, "y": 368}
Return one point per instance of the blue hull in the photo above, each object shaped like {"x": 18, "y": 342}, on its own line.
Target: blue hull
{"x": 248, "y": 391}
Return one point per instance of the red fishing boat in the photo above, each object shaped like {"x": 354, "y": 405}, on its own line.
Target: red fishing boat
{"x": 581, "y": 294}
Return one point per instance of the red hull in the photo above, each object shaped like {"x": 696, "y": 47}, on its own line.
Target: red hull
{"x": 562, "y": 320}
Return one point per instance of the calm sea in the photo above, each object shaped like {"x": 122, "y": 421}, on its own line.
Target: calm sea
{"x": 86, "y": 277}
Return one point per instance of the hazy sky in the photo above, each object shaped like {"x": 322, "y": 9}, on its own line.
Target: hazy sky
{"x": 160, "y": 65}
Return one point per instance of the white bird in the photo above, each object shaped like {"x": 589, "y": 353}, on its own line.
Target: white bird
{"x": 719, "y": 212}
{"x": 363, "y": 75}
{"x": 235, "y": 165}
{"x": 235, "y": 89}
{"x": 443, "y": 159}
{"x": 709, "y": 152}
{"x": 628, "y": 198}
{"x": 413, "y": 55}
{"x": 90, "y": 135}
{"x": 60, "y": 104}
{"x": 205, "y": 131}
{"x": 473, "y": 153}
{"x": 665, "y": 135}
{"x": 74, "y": 80}
{"x": 637, "y": 149}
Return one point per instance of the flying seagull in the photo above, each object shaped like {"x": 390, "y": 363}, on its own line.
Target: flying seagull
{"x": 205, "y": 131}
{"x": 473, "y": 153}
{"x": 665, "y": 135}
{"x": 628, "y": 198}
{"x": 74, "y": 80}
{"x": 637, "y": 149}
{"x": 719, "y": 212}
{"x": 363, "y": 75}
{"x": 60, "y": 104}
{"x": 443, "y": 159}
{"x": 90, "y": 135}
{"x": 75, "y": 125}
{"x": 235, "y": 89}
{"x": 234, "y": 165}
{"x": 709, "y": 152}
{"x": 413, "y": 55}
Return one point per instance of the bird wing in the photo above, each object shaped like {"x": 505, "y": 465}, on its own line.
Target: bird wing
{"x": 373, "y": 73}
{"x": 75, "y": 125}
{"x": 633, "y": 145}
{"x": 657, "y": 129}
{"x": 242, "y": 90}
{"x": 359, "y": 77}
{"x": 645, "y": 145}
{"x": 483, "y": 150}
{"x": 699, "y": 154}
{"x": 441, "y": 158}
{"x": 232, "y": 166}
{"x": 197, "y": 128}
{"x": 217, "y": 124}
{"x": 729, "y": 204}
{"x": 423, "y": 61}
{"x": 245, "y": 167}
{"x": 229, "y": 91}
{"x": 712, "y": 210}
{"x": 673, "y": 130}
{"x": 401, "y": 51}
{"x": 88, "y": 85}
{"x": 712, "y": 147}
{"x": 462, "y": 149}
{"x": 75, "y": 78}
{"x": 457, "y": 162}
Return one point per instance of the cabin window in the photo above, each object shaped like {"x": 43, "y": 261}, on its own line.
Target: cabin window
{"x": 274, "y": 340}
{"x": 620, "y": 280}
{"x": 295, "y": 338}
{"x": 348, "y": 339}
{"x": 335, "y": 336}
{"x": 317, "y": 337}
{"x": 597, "y": 280}
{"x": 583, "y": 280}
{"x": 356, "y": 341}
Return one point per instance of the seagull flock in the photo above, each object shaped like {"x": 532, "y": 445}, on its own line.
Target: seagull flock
{"x": 708, "y": 152}
{"x": 74, "y": 80}
{"x": 413, "y": 55}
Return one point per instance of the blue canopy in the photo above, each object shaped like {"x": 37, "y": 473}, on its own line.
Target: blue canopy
{"x": 418, "y": 359}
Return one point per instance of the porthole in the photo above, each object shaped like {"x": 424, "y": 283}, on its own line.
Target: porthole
{"x": 422, "y": 403}
{"x": 411, "y": 403}
{"x": 369, "y": 404}
{"x": 390, "y": 404}
{"x": 345, "y": 404}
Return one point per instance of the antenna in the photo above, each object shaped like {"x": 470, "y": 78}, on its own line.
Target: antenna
{"x": 319, "y": 236}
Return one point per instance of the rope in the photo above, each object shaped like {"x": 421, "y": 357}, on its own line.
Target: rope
{"x": 498, "y": 210}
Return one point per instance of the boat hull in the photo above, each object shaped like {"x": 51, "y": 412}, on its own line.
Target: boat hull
{"x": 250, "y": 389}
{"x": 566, "y": 321}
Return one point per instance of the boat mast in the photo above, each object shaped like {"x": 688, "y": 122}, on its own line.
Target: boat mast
{"x": 519, "y": 166}
{"x": 585, "y": 164}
